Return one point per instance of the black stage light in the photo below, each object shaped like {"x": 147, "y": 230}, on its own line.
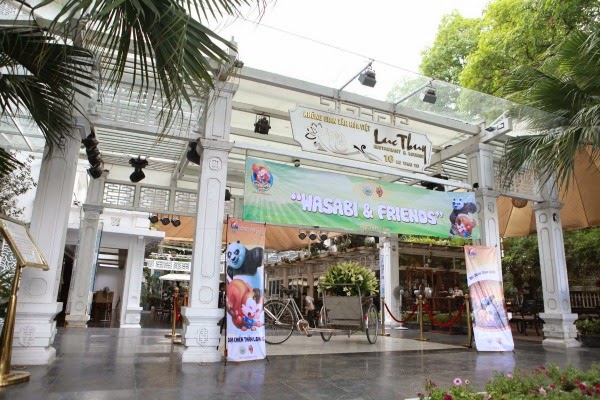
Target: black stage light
{"x": 262, "y": 124}
{"x": 165, "y": 220}
{"x": 137, "y": 164}
{"x": 302, "y": 235}
{"x": 192, "y": 154}
{"x": 176, "y": 222}
{"x": 227, "y": 195}
{"x": 323, "y": 236}
{"x": 367, "y": 77}
{"x": 312, "y": 235}
{"x": 153, "y": 219}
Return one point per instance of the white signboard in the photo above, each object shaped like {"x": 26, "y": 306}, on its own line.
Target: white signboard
{"x": 321, "y": 131}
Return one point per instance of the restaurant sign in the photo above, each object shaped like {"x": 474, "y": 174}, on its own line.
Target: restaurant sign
{"x": 334, "y": 134}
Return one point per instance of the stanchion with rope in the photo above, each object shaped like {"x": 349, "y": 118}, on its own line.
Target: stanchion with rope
{"x": 173, "y": 335}
{"x": 469, "y": 324}
{"x": 383, "y": 318}
{"x": 421, "y": 337}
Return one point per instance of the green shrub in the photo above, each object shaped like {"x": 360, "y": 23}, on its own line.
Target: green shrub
{"x": 589, "y": 326}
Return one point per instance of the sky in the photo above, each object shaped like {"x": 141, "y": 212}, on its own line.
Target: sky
{"x": 329, "y": 41}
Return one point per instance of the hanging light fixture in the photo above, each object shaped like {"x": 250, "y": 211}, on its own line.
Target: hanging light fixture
{"x": 93, "y": 154}
{"x": 302, "y": 235}
{"x": 262, "y": 124}
{"x": 192, "y": 154}
{"x": 367, "y": 77}
{"x": 137, "y": 164}
{"x": 429, "y": 95}
{"x": 312, "y": 235}
{"x": 165, "y": 220}
{"x": 175, "y": 221}
{"x": 323, "y": 236}
{"x": 227, "y": 195}
{"x": 153, "y": 219}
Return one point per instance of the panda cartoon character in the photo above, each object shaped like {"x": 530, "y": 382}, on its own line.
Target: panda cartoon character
{"x": 242, "y": 261}
{"x": 459, "y": 206}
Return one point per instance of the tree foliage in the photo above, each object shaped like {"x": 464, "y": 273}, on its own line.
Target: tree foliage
{"x": 14, "y": 185}
{"x": 512, "y": 33}
{"x": 566, "y": 86}
{"x": 457, "y": 37}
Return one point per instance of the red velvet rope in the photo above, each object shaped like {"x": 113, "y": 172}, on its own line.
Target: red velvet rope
{"x": 404, "y": 320}
{"x": 447, "y": 324}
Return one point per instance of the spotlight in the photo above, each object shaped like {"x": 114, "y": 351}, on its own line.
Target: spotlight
{"x": 153, "y": 219}
{"x": 227, "y": 195}
{"x": 312, "y": 235}
{"x": 429, "y": 95}
{"x": 93, "y": 155}
{"x": 192, "y": 154}
{"x": 296, "y": 163}
{"x": 165, "y": 220}
{"x": 323, "y": 236}
{"x": 96, "y": 171}
{"x": 435, "y": 186}
{"x": 367, "y": 77}
{"x": 302, "y": 235}
{"x": 176, "y": 222}
{"x": 137, "y": 164}
{"x": 262, "y": 124}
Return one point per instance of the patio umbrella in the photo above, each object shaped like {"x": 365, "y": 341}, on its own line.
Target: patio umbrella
{"x": 175, "y": 277}
{"x": 580, "y": 201}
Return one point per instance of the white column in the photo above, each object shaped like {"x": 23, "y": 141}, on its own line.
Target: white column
{"x": 201, "y": 332}
{"x": 559, "y": 328}
{"x": 391, "y": 278}
{"x": 131, "y": 310}
{"x": 80, "y": 292}
{"x": 37, "y": 306}
{"x": 480, "y": 161}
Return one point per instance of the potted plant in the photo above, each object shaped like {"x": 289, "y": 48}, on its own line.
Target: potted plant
{"x": 589, "y": 331}
{"x": 347, "y": 278}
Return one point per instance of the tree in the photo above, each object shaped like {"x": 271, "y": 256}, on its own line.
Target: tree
{"x": 512, "y": 33}
{"x": 169, "y": 46}
{"x": 14, "y": 185}
{"x": 457, "y": 37}
{"x": 567, "y": 87}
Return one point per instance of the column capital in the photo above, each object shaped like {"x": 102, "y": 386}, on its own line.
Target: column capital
{"x": 479, "y": 147}
{"x": 544, "y": 205}
{"x": 212, "y": 144}
{"x": 93, "y": 208}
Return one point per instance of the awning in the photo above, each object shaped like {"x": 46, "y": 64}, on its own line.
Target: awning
{"x": 175, "y": 277}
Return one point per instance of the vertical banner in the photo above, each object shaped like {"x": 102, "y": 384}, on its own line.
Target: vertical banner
{"x": 490, "y": 322}
{"x": 245, "y": 290}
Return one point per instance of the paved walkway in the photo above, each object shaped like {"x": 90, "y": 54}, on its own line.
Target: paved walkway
{"x": 109, "y": 363}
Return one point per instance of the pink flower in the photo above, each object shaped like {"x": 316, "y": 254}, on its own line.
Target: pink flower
{"x": 447, "y": 397}
{"x": 553, "y": 387}
{"x": 542, "y": 368}
{"x": 542, "y": 391}
{"x": 509, "y": 376}
{"x": 457, "y": 381}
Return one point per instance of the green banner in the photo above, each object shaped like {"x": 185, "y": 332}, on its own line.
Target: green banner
{"x": 281, "y": 194}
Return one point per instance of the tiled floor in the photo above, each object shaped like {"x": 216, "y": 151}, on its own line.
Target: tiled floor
{"x": 108, "y": 363}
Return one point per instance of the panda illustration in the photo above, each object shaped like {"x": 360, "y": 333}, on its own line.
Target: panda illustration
{"x": 459, "y": 206}
{"x": 242, "y": 261}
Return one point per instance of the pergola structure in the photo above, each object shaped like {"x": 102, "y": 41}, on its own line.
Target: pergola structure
{"x": 467, "y": 135}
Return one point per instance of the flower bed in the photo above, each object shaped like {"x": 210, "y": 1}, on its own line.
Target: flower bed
{"x": 544, "y": 382}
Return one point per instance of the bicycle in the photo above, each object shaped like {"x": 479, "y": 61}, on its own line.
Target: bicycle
{"x": 282, "y": 317}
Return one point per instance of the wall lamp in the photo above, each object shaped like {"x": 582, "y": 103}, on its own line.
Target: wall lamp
{"x": 296, "y": 163}
{"x": 312, "y": 235}
{"x": 137, "y": 164}
{"x": 302, "y": 235}
{"x": 262, "y": 124}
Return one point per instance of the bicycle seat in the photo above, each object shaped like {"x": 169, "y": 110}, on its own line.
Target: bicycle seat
{"x": 289, "y": 292}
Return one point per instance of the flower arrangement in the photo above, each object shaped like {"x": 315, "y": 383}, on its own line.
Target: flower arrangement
{"x": 342, "y": 279}
{"x": 550, "y": 382}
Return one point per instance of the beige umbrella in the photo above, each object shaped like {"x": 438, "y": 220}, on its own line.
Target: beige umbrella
{"x": 580, "y": 208}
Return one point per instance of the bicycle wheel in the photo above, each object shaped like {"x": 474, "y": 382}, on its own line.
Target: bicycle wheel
{"x": 279, "y": 322}
{"x": 323, "y": 324}
{"x": 372, "y": 324}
